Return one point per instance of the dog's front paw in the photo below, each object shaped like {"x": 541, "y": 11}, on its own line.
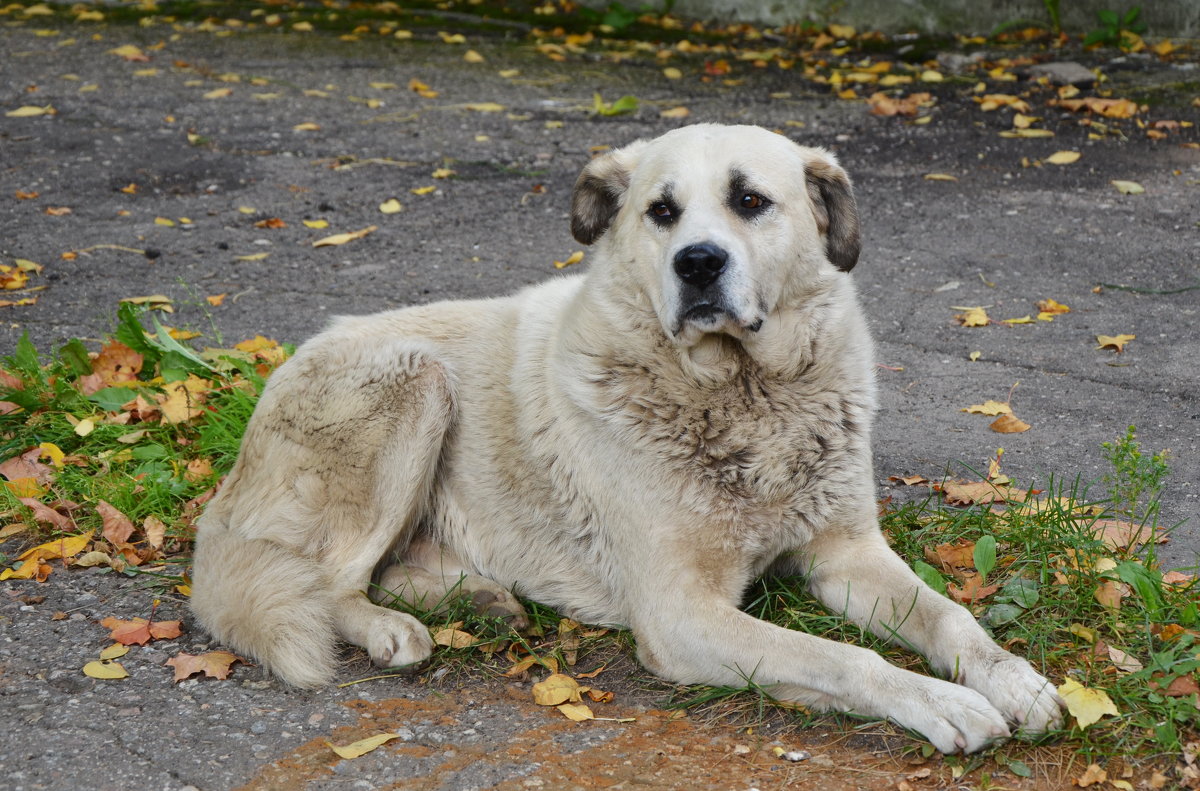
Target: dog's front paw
{"x": 397, "y": 639}
{"x": 953, "y": 718}
{"x": 1025, "y": 697}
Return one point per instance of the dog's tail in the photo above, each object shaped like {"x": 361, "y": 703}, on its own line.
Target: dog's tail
{"x": 261, "y": 598}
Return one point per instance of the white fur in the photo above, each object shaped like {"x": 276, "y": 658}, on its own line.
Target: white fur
{"x": 584, "y": 445}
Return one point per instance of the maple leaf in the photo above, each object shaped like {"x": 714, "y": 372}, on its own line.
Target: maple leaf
{"x": 139, "y": 631}
{"x": 214, "y": 664}
{"x": 182, "y": 401}
{"x": 1114, "y": 342}
{"x": 454, "y": 638}
{"x": 27, "y": 465}
{"x": 972, "y": 317}
{"x": 973, "y": 590}
{"x": 1119, "y": 534}
{"x": 953, "y": 556}
{"x": 105, "y": 669}
{"x": 976, "y": 493}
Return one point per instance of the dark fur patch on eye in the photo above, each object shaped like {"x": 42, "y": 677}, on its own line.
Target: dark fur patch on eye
{"x": 744, "y": 200}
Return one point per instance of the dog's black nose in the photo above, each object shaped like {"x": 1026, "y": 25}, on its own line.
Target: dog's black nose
{"x": 700, "y": 264}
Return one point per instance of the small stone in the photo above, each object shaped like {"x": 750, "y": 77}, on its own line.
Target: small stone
{"x": 740, "y": 749}
{"x": 796, "y": 756}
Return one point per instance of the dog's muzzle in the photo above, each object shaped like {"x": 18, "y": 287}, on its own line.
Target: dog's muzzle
{"x": 699, "y": 265}
{"x": 703, "y": 301}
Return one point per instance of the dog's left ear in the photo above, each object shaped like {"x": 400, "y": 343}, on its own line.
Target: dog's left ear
{"x": 598, "y": 192}
{"x": 837, "y": 212}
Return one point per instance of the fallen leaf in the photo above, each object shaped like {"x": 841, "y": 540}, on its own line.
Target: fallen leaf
{"x": 130, "y": 52}
{"x": 105, "y": 670}
{"x": 1128, "y": 187}
{"x": 182, "y": 401}
{"x": 391, "y": 206}
{"x": 952, "y": 557}
{"x": 1180, "y": 686}
{"x": 316, "y": 223}
{"x": 1123, "y": 661}
{"x": 909, "y": 480}
{"x": 576, "y": 712}
{"x": 556, "y": 689}
{"x": 1086, "y": 705}
{"x": 485, "y": 107}
{"x": 972, "y": 317}
{"x": 940, "y": 177}
{"x": 572, "y": 259}
{"x": 1121, "y": 534}
{"x": 65, "y": 547}
{"x": 1063, "y": 157}
{"x": 218, "y": 93}
{"x": 672, "y": 73}
{"x": 362, "y": 746}
{"x": 214, "y": 664}
{"x": 117, "y": 527}
{"x": 215, "y": 299}
{"x": 471, "y": 56}
{"x": 1092, "y": 775}
{"x": 1009, "y": 424}
{"x": 270, "y": 222}
{"x": 1050, "y": 306}
{"x": 342, "y": 238}
{"x": 139, "y": 631}
{"x": 30, "y": 111}
{"x": 973, "y": 590}
{"x": 976, "y": 493}
{"x": 1110, "y": 592}
{"x": 1114, "y": 342}
{"x": 114, "y": 651}
{"x": 154, "y": 529}
{"x": 990, "y": 408}
{"x": 882, "y": 104}
{"x": 443, "y": 173}
{"x": 307, "y": 126}
{"x": 454, "y": 638}
{"x": 675, "y": 112}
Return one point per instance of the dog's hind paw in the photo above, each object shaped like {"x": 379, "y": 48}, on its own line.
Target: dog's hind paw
{"x": 499, "y": 603}
{"x": 397, "y": 639}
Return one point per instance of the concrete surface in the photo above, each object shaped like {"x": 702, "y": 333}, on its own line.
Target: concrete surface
{"x": 1001, "y": 235}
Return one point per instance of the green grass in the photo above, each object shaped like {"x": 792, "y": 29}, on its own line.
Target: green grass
{"x": 1047, "y": 561}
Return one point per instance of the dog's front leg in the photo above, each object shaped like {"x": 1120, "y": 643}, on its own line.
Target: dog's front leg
{"x": 691, "y": 633}
{"x": 860, "y": 576}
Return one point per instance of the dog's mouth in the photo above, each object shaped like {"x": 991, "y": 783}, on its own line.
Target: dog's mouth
{"x": 713, "y": 317}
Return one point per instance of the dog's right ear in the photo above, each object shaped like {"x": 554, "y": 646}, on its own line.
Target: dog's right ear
{"x": 599, "y": 192}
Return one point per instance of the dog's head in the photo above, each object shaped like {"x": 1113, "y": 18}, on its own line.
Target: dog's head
{"x": 719, "y": 226}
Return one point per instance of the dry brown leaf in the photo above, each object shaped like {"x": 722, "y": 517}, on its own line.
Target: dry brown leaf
{"x": 577, "y": 712}
{"x": 1120, "y": 534}
{"x": 117, "y": 527}
{"x": 990, "y": 408}
{"x": 973, "y": 590}
{"x": 1180, "y": 686}
{"x": 214, "y": 664}
{"x": 1092, "y": 775}
{"x": 953, "y": 557}
{"x": 972, "y": 317}
{"x": 454, "y": 638}
{"x": 976, "y": 493}
{"x": 1110, "y": 592}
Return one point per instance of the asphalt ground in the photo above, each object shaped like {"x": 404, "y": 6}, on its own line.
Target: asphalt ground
{"x": 221, "y": 166}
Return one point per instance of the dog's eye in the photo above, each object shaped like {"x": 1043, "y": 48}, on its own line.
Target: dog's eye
{"x": 661, "y": 210}
{"x": 752, "y": 201}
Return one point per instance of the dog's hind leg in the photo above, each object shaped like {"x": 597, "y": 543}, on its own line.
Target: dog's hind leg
{"x": 430, "y": 578}
{"x": 334, "y": 474}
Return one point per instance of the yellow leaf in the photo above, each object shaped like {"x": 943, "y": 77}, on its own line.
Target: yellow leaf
{"x": 577, "y": 712}
{"x": 892, "y": 80}
{"x": 1022, "y": 320}
{"x": 990, "y": 408}
{"x": 556, "y": 689}
{"x": 1082, "y": 632}
{"x": 841, "y": 31}
{"x": 65, "y": 547}
{"x": 508, "y": 74}
{"x": 454, "y": 638}
{"x": 1063, "y": 157}
{"x": 676, "y": 112}
{"x": 931, "y": 75}
{"x": 423, "y": 190}
{"x": 114, "y": 651}
{"x": 391, "y": 206}
{"x": 307, "y": 126}
{"x": 973, "y": 356}
{"x": 182, "y": 401}
{"x": 342, "y": 238}
{"x": 303, "y": 27}
{"x": 485, "y": 107}
{"x": 164, "y": 222}
{"x": 452, "y": 38}
{"x": 30, "y": 111}
{"x": 52, "y": 452}
{"x": 1086, "y": 705}
{"x": 362, "y": 746}
{"x": 940, "y": 177}
{"x": 973, "y": 317}
{"x": 1009, "y": 424}
{"x": 442, "y": 173}
{"x": 85, "y": 427}
{"x": 1022, "y": 121}
{"x": 1114, "y": 342}
{"x": 105, "y": 670}
{"x": 316, "y": 223}
{"x": 573, "y": 258}
{"x": 1051, "y": 306}
{"x": 1128, "y": 187}
{"x": 471, "y": 56}
{"x": 252, "y": 257}
{"x": 672, "y": 73}
{"x": 218, "y": 93}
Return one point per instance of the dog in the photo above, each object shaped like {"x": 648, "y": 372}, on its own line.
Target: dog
{"x": 631, "y": 446}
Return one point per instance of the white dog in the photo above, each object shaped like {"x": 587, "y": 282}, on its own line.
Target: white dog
{"x": 631, "y": 446}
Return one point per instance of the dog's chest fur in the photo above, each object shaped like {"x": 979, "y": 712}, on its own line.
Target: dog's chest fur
{"x": 755, "y": 444}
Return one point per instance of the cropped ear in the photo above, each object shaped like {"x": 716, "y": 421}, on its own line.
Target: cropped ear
{"x": 599, "y": 191}
{"x": 836, "y": 211}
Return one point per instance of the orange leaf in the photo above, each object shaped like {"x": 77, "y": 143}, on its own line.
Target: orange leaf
{"x": 1009, "y": 424}
{"x": 214, "y": 664}
{"x": 139, "y": 631}
{"x": 973, "y": 590}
